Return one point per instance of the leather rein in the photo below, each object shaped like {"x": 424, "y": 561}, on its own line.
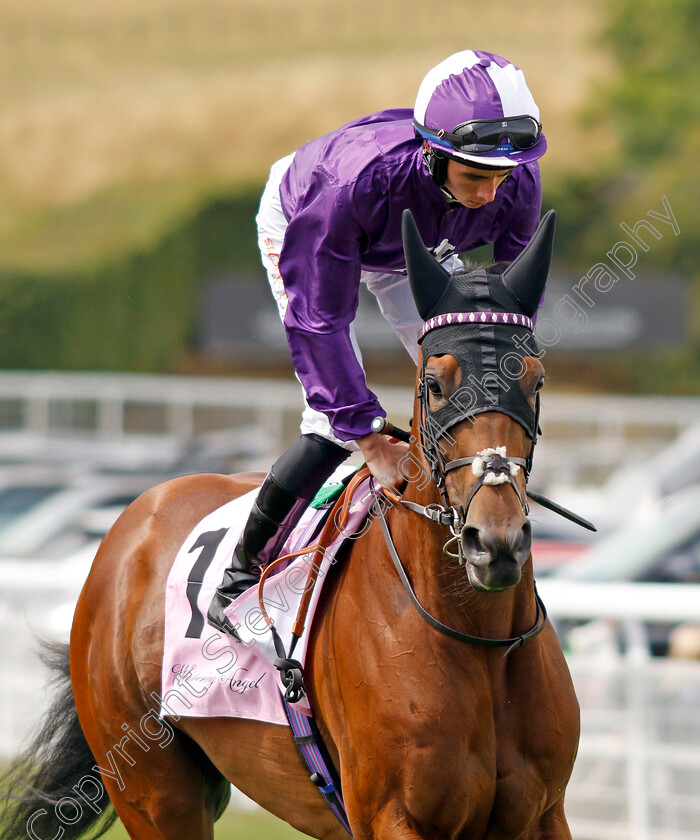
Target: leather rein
{"x": 511, "y": 643}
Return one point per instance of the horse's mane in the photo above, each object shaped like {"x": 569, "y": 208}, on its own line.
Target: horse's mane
{"x": 472, "y": 265}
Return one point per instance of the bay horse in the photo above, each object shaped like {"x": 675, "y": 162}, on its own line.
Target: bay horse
{"x": 432, "y": 736}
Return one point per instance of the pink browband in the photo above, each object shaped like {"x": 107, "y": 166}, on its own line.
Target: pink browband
{"x": 476, "y": 318}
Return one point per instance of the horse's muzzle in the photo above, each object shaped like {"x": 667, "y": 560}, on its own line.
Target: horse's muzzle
{"x": 493, "y": 557}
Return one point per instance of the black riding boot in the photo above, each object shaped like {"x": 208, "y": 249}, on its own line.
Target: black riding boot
{"x": 285, "y": 494}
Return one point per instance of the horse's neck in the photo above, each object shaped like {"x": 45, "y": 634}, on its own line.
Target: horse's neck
{"x": 441, "y": 583}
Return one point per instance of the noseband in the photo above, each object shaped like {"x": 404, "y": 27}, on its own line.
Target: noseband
{"x": 491, "y": 467}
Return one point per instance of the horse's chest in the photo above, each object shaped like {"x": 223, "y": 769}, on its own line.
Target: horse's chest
{"x": 493, "y": 767}
{"x": 503, "y": 792}
{"x": 534, "y": 747}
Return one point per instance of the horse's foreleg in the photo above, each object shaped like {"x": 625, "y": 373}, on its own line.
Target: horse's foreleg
{"x": 392, "y": 822}
{"x": 262, "y": 761}
{"x": 552, "y": 825}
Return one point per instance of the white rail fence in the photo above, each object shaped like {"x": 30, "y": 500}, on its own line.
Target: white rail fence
{"x": 637, "y": 776}
{"x": 585, "y": 436}
{"x": 638, "y": 772}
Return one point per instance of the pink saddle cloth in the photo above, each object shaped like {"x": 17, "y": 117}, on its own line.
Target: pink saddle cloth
{"x": 205, "y": 672}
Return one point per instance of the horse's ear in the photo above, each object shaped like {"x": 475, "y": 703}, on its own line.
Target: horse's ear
{"x": 526, "y": 276}
{"x": 427, "y": 277}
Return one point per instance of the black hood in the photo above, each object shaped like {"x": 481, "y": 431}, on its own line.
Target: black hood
{"x": 490, "y": 355}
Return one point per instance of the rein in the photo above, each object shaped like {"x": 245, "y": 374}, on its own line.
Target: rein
{"x": 512, "y": 642}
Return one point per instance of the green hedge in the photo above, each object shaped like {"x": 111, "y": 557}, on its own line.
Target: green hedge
{"x": 136, "y": 313}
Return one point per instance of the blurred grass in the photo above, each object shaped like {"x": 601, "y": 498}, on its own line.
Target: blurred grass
{"x": 236, "y": 825}
{"x": 117, "y": 120}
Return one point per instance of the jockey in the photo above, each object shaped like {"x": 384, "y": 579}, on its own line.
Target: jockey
{"x": 464, "y": 161}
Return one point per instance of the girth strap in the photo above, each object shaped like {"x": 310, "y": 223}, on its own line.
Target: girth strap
{"x": 322, "y": 772}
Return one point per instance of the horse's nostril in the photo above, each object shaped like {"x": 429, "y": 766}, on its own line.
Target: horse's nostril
{"x": 486, "y": 544}
{"x": 471, "y": 542}
{"x": 522, "y": 549}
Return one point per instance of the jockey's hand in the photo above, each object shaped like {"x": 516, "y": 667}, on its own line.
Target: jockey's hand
{"x": 382, "y": 457}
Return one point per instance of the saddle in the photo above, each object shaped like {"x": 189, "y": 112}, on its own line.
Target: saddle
{"x": 335, "y": 502}
{"x": 206, "y": 673}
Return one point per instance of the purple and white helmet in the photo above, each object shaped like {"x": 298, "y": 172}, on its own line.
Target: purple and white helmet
{"x": 476, "y": 106}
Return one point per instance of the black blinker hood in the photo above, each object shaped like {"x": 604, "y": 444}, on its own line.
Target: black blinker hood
{"x": 490, "y": 355}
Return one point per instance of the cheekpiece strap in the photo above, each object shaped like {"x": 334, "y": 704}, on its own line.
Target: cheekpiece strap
{"x": 512, "y": 318}
{"x": 436, "y": 513}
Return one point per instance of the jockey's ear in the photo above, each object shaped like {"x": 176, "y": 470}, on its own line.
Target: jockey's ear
{"x": 526, "y": 276}
{"x": 428, "y": 279}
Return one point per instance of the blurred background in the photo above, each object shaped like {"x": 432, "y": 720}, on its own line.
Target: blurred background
{"x": 138, "y": 338}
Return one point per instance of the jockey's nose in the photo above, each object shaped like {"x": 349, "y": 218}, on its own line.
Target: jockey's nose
{"x": 486, "y": 190}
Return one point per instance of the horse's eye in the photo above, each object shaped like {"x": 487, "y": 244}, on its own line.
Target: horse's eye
{"x": 433, "y": 386}
{"x": 540, "y": 383}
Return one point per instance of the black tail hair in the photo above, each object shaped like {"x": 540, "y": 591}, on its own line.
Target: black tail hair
{"x": 57, "y": 759}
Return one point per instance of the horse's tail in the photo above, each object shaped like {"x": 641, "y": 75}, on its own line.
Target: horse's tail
{"x": 52, "y": 783}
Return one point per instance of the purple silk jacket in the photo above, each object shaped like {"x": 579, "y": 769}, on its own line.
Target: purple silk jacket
{"x": 343, "y": 196}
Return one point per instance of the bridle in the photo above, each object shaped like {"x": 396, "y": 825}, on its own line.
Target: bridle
{"x": 434, "y": 512}
{"x": 492, "y": 466}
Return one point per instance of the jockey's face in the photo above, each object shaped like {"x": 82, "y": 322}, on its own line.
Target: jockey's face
{"x": 473, "y": 187}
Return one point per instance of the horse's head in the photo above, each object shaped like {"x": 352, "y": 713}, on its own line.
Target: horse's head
{"x": 478, "y": 396}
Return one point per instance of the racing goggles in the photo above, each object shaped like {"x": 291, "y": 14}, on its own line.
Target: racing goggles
{"x": 523, "y": 133}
